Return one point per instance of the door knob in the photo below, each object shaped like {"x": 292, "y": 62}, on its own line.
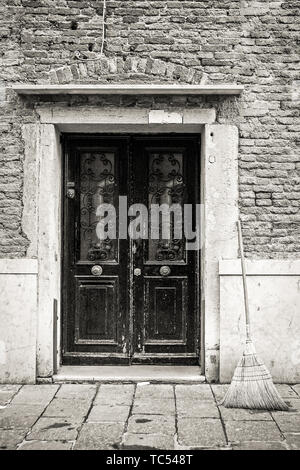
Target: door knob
{"x": 137, "y": 272}
{"x": 164, "y": 271}
{"x": 96, "y": 270}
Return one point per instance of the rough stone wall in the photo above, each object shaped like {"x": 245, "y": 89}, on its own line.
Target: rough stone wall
{"x": 254, "y": 43}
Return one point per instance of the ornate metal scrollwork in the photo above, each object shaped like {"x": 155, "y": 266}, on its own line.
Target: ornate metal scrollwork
{"x": 168, "y": 250}
{"x": 166, "y": 186}
{"x": 97, "y": 185}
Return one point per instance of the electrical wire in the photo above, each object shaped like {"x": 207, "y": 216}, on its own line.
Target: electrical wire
{"x": 102, "y": 37}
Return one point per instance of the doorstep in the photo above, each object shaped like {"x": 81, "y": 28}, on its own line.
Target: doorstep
{"x": 129, "y": 374}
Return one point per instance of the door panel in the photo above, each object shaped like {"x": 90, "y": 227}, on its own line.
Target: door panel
{"x": 99, "y": 301}
{"x": 96, "y": 324}
{"x": 165, "y": 311}
{"x": 129, "y": 301}
{"x": 166, "y": 292}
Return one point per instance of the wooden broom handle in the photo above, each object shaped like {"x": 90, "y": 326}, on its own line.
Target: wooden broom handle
{"x": 246, "y": 298}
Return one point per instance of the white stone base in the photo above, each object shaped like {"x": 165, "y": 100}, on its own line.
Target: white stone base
{"x": 18, "y": 320}
{"x": 274, "y": 294}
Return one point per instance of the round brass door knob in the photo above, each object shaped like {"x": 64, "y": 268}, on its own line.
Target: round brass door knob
{"x": 96, "y": 270}
{"x": 137, "y": 272}
{"x": 164, "y": 271}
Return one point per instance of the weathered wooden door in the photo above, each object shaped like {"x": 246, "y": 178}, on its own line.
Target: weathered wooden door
{"x": 131, "y": 299}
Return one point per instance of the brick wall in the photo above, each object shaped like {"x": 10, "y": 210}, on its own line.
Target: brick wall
{"x": 254, "y": 43}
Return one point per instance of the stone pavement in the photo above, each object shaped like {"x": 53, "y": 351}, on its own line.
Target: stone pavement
{"x": 141, "y": 416}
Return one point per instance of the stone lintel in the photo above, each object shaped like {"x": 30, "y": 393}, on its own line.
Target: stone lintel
{"x": 132, "y": 89}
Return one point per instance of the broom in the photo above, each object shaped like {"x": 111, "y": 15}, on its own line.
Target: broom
{"x": 251, "y": 386}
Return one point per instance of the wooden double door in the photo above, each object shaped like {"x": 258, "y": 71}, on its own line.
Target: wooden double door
{"x": 130, "y": 298}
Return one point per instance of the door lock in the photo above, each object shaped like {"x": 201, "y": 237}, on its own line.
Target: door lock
{"x": 137, "y": 272}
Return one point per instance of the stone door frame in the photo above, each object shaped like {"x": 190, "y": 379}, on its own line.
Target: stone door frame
{"x": 42, "y": 207}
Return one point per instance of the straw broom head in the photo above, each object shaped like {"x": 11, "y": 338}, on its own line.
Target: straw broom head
{"x": 252, "y": 386}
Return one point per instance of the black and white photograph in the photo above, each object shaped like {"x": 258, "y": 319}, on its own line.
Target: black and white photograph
{"x": 149, "y": 228}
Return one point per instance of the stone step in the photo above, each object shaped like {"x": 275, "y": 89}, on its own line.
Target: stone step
{"x": 129, "y": 374}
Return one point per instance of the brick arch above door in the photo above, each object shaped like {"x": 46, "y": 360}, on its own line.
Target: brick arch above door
{"x": 119, "y": 69}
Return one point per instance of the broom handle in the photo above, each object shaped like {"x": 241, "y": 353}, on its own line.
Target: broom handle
{"x": 246, "y": 299}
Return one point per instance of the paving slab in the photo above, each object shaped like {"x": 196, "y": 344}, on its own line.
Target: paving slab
{"x": 238, "y": 414}
{"x": 296, "y": 388}
{"x": 288, "y": 421}
{"x": 19, "y": 416}
{"x": 141, "y": 416}
{"x": 259, "y": 445}
{"x": 197, "y": 409}
{"x": 5, "y": 398}
{"x": 9, "y": 439}
{"x": 108, "y": 413}
{"x": 254, "y": 430}
{"x": 9, "y": 388}
{"x": 35, "y": 394}
{"x": 154, "y": 391}
{"x": 219, "y": 391}
{"x": 293, "y": 440}
{"x": 115, "y": 394}
{"x": 7, "y": 392}
{"x": 147, "y": 442}
{"x": 194, "y": 392}
{"x": 164, "y": 406}
{"x": 62, "y": 408}
{"x": 76, "y": 392}
{"x": 46, "y": 445}
{"x": 100, "y": 436}
{"x": 200, "y": 433}
{"x": 294, "y": 404}
{"x": 54, "y": 429}
{"x": 151, "y": 424}
{"x": 286, "y": 391}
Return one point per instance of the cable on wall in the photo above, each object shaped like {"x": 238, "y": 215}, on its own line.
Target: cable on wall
{"x": 103, "y": 39}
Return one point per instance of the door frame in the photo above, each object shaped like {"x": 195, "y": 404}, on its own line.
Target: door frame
{"x": 42, "y": 195}
{"x": 66, "y": 140}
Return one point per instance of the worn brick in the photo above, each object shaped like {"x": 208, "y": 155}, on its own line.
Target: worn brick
{"x": 175, "y": 42}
